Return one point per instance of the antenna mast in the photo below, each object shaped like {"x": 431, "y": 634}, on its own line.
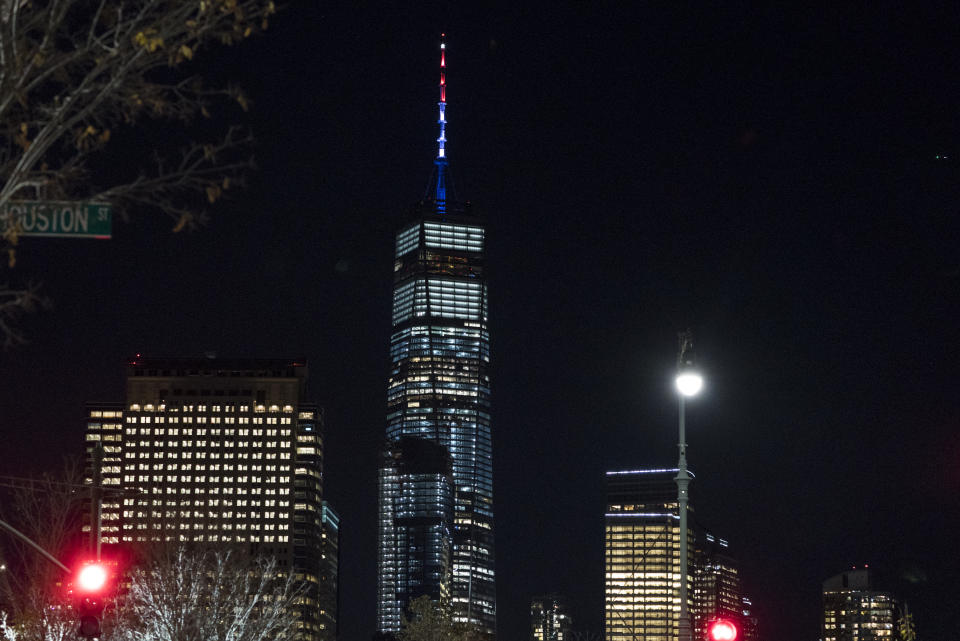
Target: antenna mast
{"x": 441, "y": 193}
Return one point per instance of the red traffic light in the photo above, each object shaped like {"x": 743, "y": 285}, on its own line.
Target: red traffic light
{"x": 722, "y": 630}
{"x": 92, "y": 577}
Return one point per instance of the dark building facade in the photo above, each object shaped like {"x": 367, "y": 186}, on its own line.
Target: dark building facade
{"x": 549, "y": 619}
{"x": 330, "y": 574}
{"x": 438, "y": 392}
{"x": 717, "y": 592}
{"x": 223, "y": 452}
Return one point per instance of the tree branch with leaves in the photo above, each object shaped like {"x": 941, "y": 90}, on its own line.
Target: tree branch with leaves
{"x": 73, "y": 73}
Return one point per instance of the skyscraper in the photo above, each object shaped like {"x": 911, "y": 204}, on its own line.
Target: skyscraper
{"x": 716, "y": 591}
{"x": 549, "y": 620}
{"x": 642, "y": 556}
{"x": 854, "y": 610}
{"x": 438, "y": 392}
{"x": 215, "y": 452}
{"x": 329, "y": 592}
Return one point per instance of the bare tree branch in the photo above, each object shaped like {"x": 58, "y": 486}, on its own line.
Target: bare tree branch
{"x": 48, "y": 511}
{"x": 192, "y": 594}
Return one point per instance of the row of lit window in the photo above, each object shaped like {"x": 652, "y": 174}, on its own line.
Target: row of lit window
{"x": 186, "y": 514}
{"x": 149, "y": 407}
{"x": 200, "y": 443}
{"x": 228, "y": 480}
{"x": 144, "y": 503}
{"x": 211, "y": 455}
{"x": 213, "y": 467}
{"x": 253, "y": 538}
{"x": 202, "y": 431}
{"x": 202, "y": 489}
{"x": 229, "y": 420}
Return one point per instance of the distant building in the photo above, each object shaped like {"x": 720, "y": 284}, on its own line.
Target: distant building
{"x": 330, "y": 574}
{"x": 716, "y": 583}
{"x": 217, "y": 452}
{"x": 549, "y": 620}
{"x": 749, "y": 625}
{"x": 854, "y": 610}
{"x": 642, "y": 556}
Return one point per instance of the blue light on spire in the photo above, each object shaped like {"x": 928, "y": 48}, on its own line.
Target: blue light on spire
{"x": 440, "y": 195}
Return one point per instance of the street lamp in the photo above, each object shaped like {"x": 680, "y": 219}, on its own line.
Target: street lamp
{"x": 689, "y": 383}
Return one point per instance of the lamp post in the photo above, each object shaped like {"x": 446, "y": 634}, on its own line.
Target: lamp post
{"x": 689, "y": 382}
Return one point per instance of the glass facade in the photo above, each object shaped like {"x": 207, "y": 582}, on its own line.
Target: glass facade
{"x": 439, "y": 391}
{"x": 329, "y": 593}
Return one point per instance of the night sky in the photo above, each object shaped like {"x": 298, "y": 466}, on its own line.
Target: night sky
{"x": 765, "y": 177}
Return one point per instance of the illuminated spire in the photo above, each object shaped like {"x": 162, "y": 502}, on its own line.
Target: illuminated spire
{"x": 442, "y": 140}
{"x": 440, "y": 195}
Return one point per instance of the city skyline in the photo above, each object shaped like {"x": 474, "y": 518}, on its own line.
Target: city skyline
{"x": 767, "y": 178}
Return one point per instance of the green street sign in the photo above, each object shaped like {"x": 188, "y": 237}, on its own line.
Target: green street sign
{"x": 60, "y": 219}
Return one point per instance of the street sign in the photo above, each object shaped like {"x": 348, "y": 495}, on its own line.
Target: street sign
{"x": 60, "y": 219}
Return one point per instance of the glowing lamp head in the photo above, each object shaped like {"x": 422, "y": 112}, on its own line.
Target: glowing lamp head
{"x": 92, "y": 578}
{"x": 689, "y": 383}
{"x": 722, "y": 630}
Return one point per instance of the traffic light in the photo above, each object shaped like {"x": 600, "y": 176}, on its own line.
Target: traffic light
{"x": 90, "y": 586}
{"x": 722, "y": 630}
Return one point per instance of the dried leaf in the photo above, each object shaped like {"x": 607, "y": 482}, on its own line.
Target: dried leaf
{"x": 184, "y": 219}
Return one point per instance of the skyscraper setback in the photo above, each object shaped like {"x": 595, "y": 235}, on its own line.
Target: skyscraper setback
{"x": 436, "y": 475}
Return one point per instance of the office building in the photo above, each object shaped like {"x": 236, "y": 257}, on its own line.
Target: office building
{"x": 549, "y": 620}
{"x": 642, "y": 556}
{"x": 749, "y": 624}
{"x": 329, "y": 574}
{"x": 854, "y": 610}
{"x": 416, "y": 519}
{"x": 438, "y": 392}
{"x": 716, "y": 583}
{"x": 211, "y": 451}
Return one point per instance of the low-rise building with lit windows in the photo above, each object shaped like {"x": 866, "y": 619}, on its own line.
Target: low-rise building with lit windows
{"x": 215, "y": 451}
{"x": 854, "y": 610}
